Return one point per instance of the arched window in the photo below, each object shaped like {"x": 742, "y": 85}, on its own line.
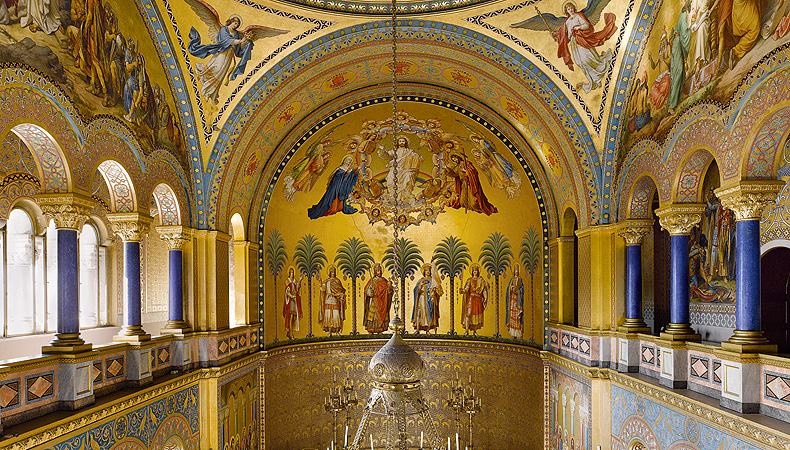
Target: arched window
{"x": 29, "y": 275}
{"x": 25, "y": 309}
{"x": 231, "y": 281}
{"x": 93, "y": 303}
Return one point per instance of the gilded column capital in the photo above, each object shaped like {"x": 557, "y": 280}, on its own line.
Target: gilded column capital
{"x": 131, "y": 227}
{"x": 69, "y": 210}
{"x": 633, "y": 231}
{"x": 748, "y": 199}
{"x": 175, "y": 236}
{"x": 680, "y": 218}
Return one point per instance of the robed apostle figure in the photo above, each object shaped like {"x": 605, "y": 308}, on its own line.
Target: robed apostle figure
{"x": 378, "y": 300}
{"x": 425, "y": 314}
{"x": 475, "y": 294}
{"x": 333, "y": 303}
{"x": 292, "y": 306}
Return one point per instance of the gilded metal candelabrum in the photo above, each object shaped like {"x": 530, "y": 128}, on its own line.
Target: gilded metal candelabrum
{"x": 463, "y": 401}
{"x": 341, "y": 398}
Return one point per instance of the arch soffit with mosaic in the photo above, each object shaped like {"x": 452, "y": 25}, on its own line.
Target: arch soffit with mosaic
{"x": 643, "y": 159}
{"x": 641, "y": 198}
{"x": 689, "y": 174}
{"x": 763, "y": 157}
{"x": 53, "y": 168}
{"x": 492, "y": 56}
{"x": 163, "y": 168}
{"x": 319, "y": 115}
{"x": 123, "y": 197}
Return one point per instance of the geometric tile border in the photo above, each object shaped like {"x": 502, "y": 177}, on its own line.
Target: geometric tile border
{"x": 223, "y": 346}
{"x": 584, "y": 346}
{"x": 716, "y": 372}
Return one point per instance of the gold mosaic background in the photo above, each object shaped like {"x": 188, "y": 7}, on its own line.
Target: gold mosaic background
{"x": 508, "y": 379}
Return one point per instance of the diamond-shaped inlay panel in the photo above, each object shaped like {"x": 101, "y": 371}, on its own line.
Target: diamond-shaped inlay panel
{"x": 565, "y": 340}
{"x": 164, "y": 355}
{"x": 575, "y": 342}
{"x": 242, "y": 341}
{"x": 717, "y": 372}
{"x": 115, "y": 367}
{"x": 233, "y": 343}
{"x": 223, "y": 346}
{"x": 777, "y": 387}
{"x": 9, "y": 394}
{"x": 39, "y": 386}
{"x": 648, "y": 355}
{"x": 254, "y": 338}
{"x": 584, "y": 346}
{"x": 554, "y": 337}
{"x": 699, "y": 368}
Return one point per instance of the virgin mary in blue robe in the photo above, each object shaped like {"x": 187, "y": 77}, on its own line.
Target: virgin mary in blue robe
{"x": 337, "y": 191}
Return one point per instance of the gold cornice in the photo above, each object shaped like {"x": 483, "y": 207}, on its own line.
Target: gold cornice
{"x": 680, "y": 218}
{"x": 747, "y": 199}
{"x": 762, "y": 434}
{"x": 373, "y": 345}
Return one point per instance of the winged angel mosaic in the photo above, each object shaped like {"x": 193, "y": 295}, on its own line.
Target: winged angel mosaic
{"x": 229, "y": 53}
{"x": 410, "y": 189}
{"x": 577, "y": 39}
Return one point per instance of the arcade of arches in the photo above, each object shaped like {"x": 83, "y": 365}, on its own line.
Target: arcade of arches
{"x": 198, "y": 201}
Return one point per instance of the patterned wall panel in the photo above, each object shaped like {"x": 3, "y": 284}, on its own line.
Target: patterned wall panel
{"x": 159, "y": 418}
{"x": 508, "y": 379}
{"x": 638, "y": 417}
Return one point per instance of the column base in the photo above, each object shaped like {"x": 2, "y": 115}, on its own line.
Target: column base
{"x": 634, "y": 326}
{"x": 67, "y": 343}
{"x": 175, "y": 327}
{"x": 680, "y": 332}
{"x": 132, "y": 333}
{"x": 748, "y": 342}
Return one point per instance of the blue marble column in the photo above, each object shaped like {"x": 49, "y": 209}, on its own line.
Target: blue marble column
{"x": 131, "y": 227}
{"x": 175, "y": 287}
{"x": 747, "y": 200}
{"x": 131, "y": 277}
{"x": 175, "y": 236}
{"x": 634, "y": 231}
{"x": 69, "y": 211}
{"x": 679, "y": 220}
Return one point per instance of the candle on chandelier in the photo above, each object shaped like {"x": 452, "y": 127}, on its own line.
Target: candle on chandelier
{"x": 345, "y": 441}
{"x": 371, "y": 442}
{"x": 421, "y": 440}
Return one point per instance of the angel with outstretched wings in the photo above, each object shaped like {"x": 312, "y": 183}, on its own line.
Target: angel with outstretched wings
{"x": 577, "y": 39}
{"x": 230, "y": 43}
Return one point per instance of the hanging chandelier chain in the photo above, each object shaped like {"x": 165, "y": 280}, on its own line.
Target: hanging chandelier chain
{"x": 395, "y": 143}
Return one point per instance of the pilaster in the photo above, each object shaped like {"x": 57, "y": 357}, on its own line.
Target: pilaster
{"x": 211, "y": 260}
{"x": 566, "y": 268}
